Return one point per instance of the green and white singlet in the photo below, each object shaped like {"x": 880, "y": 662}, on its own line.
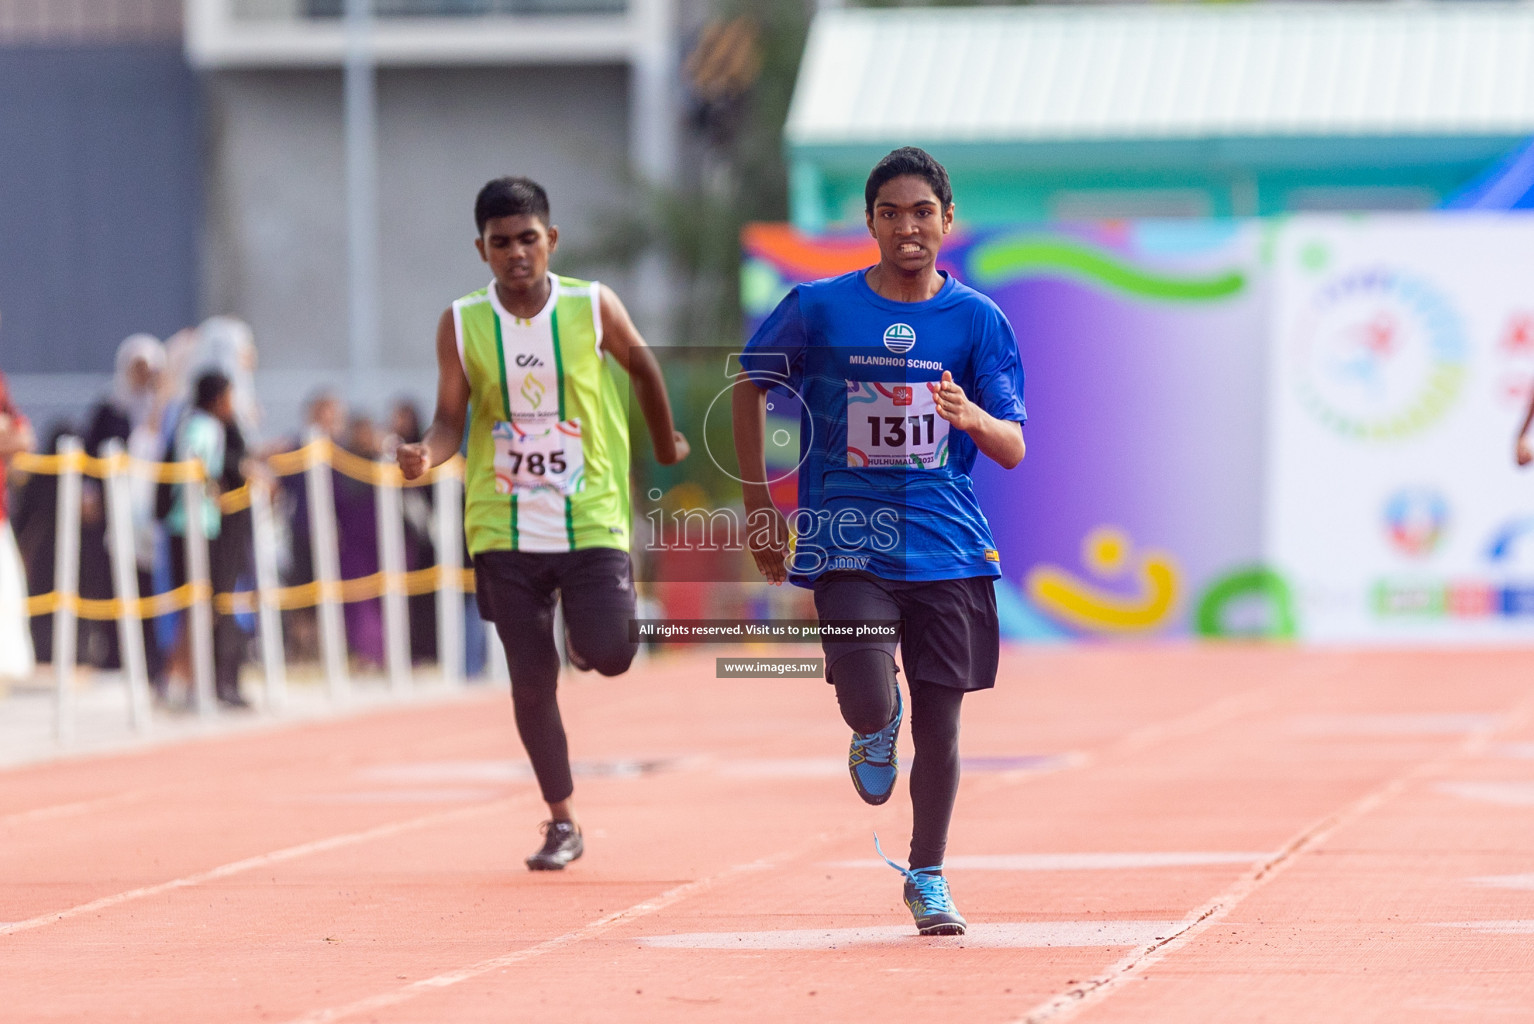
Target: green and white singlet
{"x": 548, "y": 451}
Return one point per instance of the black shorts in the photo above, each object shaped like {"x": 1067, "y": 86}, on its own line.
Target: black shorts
{"x": 949, "y": 632}
{"x": 514, "y": 586}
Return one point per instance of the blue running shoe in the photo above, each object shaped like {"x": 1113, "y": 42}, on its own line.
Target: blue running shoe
{"x": 872, "y": 761}
{"x": 927, "y": 898}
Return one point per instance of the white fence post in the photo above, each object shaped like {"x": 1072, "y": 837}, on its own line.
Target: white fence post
{"x": 325, "y": 549}
{"x": 124, "y": 555}
{"x": 449, "y": 544}
{"x": 199, "y": 621}
{"x": 391, "y": 560}
{"x": 66, "y": 588}
{"x": 269, "y": 614}
{"x": 495, "y": 651}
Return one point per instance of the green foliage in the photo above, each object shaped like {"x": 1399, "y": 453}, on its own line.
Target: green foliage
{"x": 735, "y": 177}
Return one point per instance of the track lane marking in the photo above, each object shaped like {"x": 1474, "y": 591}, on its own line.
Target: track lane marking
{"x": 252, "y": 863}
{"x": 1096, "y": 990}
{"x": 70, "y": 809}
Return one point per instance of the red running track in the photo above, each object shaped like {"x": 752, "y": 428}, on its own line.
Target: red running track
{"x": 1143, "y": 834}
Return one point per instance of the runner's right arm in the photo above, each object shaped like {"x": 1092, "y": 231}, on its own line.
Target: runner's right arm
{"x": 766, "y": 529}
{"x": 445, "y": 435}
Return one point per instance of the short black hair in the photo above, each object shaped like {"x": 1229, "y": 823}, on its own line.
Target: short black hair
{"x": 908, "y": 160}
{"x": 209, "y": 387}
{"x": 510, "y": 197}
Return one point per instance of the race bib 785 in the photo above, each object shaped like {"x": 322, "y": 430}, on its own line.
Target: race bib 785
{"x": 536, "y": 454}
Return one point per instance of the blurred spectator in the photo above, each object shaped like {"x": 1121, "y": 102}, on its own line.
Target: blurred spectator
{"x": 35, "y": 519}
{"x": 226, "y": 344}
{"x": 16, "y": 659}
{"x": 210, "y": 435}
{"x": 357, "y": 531}
{"x": 324, "y": 412}
{"x": 175, "y": 403}
{"x": 130, "y": 414}
{"x": 405, "y": 428}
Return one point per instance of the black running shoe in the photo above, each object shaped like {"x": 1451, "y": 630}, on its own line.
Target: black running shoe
{"x": 562, "y": 843}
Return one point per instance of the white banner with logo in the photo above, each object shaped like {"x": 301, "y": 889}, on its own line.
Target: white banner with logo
{"x": 1402, "y": 355}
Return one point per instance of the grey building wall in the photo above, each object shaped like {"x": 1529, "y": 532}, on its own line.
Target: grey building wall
{"x": 100, "y": 179}
{"x": 276, "y": 221}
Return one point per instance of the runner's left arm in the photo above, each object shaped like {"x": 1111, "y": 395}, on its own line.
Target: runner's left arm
{"x": 621, "y": 340}
{"x": 1000, "y": 440}
{"x": 993, "y": 414}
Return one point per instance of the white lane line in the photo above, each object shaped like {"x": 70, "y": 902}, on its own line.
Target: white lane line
{"x": 644, "y": 908}
{"x": 252, "y": 863}
{"x": 836, "y": 767}
{"x": 1517, "y": 751}
{"x": 1393, "y": 724}
{"x": 436, "y": 772}
{"x": 1505, "y": 881}
{"x": 442, "y": 795}
{"x": 69, "y": 810}
{"x": 1493, "y": 927}
{"x": 1007, "y": 935}
{"x": 1095, "y": 990}
{"x": 1074, "y": 861}
{"x": 1509, "y": 794}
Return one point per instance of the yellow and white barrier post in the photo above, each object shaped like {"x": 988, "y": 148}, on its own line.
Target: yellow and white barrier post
{"x": 449, "y": 543}
{"x": 66, "y": 587}
{"x": 122, "y": 549}
{"x": 391, "y": 559}
{"x": 269, "y": 613}
{"x": 199, "y": 618}
{"x": 327, "y": 565}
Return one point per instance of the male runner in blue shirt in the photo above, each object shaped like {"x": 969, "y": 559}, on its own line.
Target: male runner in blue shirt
{"x": 905, "y": 376}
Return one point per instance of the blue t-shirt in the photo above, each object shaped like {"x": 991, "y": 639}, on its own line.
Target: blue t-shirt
{"x": 884, "y": 483}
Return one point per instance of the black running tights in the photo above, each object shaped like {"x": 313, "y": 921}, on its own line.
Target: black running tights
{"x": 865, "y": 689}
{"x": 596, "y": 588}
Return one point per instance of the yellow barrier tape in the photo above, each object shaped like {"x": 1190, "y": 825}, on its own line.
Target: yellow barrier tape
{"x": 300, "y": 595}
{"x": 422, "y": 581}
{"x": 89, "y": 465}
{"x": 364, "y": 588}
{"x": 288, "y": 463}
{"x": 282, "y": 464}
{"x": 109, "y": 608}
{"x": 355, "y": 466}
{"x": 234, "y": 501}
{"x": 240, "y": 601}
{"x": 364, "y": 470}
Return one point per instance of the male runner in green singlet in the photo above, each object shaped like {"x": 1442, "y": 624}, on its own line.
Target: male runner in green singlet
{"x": 524, "y": 361}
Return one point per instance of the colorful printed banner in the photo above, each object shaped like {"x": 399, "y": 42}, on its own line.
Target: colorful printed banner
{"x": 1137, "y": 509}
{"x": 1403, "y": 354}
